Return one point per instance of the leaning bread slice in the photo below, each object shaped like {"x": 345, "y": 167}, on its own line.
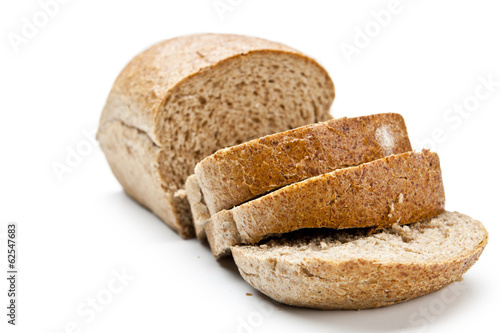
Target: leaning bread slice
{"x": 199, "y": 209}
{"x": 184, "y": 98}
{"x": 237, "y": 174}
{"x": 355, "y": 270}
{"x": 400, "y": 189}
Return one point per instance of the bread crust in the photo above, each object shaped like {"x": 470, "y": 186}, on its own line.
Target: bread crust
{"x": 358, "y": 283}
{"x": 400, "y": 189}
{"x": 131, "y": 156}
{"x": 138, "y": 100}
{"x": 237, "y": 174}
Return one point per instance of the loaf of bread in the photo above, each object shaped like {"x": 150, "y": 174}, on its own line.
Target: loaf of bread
{"x": 400, "y": 189}
{"x": 237, "y": 174}
{"x": 328, "y": 269}
{"x": 234, "y": 133}
{"x": 183, "y": 99}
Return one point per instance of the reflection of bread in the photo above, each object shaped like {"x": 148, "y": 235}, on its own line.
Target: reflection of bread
{"x": 328, "y": 269}
{"x": 182, "y": 99}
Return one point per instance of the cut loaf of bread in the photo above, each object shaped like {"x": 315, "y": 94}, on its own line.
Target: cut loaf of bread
{"x": 183, "y": 99}
{"x": 400, "y": 189}
{"x": 327, "y": 269}
{"x": 237, "y": 174}
{"x": 234, "y": 175}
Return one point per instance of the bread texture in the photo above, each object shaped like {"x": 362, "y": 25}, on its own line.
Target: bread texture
{"x": 237, "y": 174}
{"x": 400, "y": 189}
{"x": 199, "y": 209}
{"x": 353, "y": 269}
{"x": 187, "y": 97}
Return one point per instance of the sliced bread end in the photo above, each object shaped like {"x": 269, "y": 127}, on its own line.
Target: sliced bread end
{"x": 356, "y": 270}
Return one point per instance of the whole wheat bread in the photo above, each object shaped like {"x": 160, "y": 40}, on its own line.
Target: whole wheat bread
{"x": 183, "y": 99}
{"x": 401, "y": 189}
{"x": 327, "y": 269}
{"x": 237, "y": 174}
{"x": 199, "y": 209}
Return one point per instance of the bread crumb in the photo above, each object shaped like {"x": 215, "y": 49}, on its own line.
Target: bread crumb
{"x": 403, "y": 231}
{"x": 249, "y": 294}
{"x": 391, "y": 211}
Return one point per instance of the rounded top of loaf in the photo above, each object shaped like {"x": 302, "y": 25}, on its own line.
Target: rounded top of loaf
{"x": 143, "y": 86}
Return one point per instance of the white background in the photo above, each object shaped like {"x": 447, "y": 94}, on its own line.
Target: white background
{"x": 76, "y": 234}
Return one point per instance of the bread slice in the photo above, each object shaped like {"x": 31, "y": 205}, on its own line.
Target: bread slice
{"x": 182, "y": 99}
{"x": 355, "y": 270}
{"x": 400, "y": 189}
{"x": 237, "y": 174}
{"x": 199, "y": 209}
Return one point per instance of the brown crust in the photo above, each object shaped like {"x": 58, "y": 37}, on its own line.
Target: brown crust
{"x": 350, "y": 284}
{"x": 234, "y": 175}
{"x": 400, "y": 189}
